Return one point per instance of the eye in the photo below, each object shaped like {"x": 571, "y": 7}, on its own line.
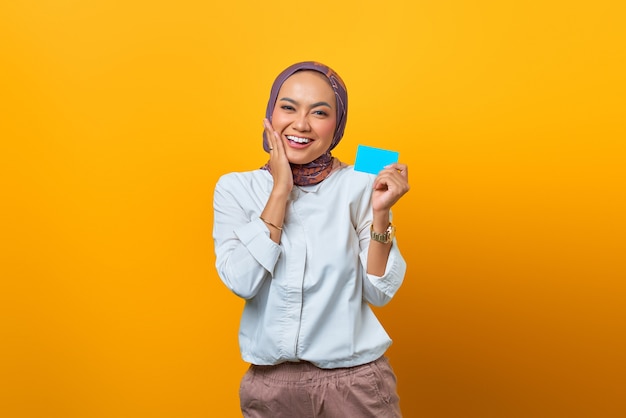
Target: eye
{"x": 320, "y": 113}
{"x": 287, "y": 107}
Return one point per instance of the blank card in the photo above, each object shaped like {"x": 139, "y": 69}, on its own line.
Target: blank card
{"x": 373, "y": 160}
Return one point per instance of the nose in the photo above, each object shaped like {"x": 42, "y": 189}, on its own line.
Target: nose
{"x": 301, "y": 123}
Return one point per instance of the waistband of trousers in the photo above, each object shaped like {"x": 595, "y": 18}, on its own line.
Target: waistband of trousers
{"x": 305, "y": 371}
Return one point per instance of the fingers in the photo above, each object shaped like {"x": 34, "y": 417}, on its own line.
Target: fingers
{"x": 402, "y": 169}
{"x": 395, "y": 173}
{"x": 279, "y": 164}
{"x": 391, "y": 184}
{"x": 395, "y": 182}
{"x": 273, "y": 138}
{"x": 270, "y": 133}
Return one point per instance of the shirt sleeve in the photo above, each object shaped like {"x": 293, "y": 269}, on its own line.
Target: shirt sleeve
{"x": 245, "y": 254}
{"x": 377, "y": 290}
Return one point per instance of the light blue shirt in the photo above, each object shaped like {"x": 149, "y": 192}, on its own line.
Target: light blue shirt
{"x": 307, "y": 299}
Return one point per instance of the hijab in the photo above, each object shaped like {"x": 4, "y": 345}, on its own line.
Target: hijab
{"x": 318, "y": 169}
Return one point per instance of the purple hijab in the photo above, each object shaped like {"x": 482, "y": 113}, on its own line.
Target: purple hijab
{"x": 318, "y": 169}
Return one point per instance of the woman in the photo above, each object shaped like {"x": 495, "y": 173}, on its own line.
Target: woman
{"x": 307, "y": 242}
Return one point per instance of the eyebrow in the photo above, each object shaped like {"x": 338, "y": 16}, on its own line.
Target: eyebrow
{"x": 287, "y": 99}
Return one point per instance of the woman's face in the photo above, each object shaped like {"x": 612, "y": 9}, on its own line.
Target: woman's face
{"x": 305, "y": 115}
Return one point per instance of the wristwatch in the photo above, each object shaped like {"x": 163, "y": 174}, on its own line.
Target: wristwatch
{"x": 386, "y": 236}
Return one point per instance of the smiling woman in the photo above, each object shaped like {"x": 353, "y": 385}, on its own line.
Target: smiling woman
{"x": 117, "y": 118}
{"x": 305, "y": 241}
{"x": 304, "y": 116}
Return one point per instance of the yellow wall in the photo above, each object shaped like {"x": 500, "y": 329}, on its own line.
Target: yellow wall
{"x": 117, "y": 117}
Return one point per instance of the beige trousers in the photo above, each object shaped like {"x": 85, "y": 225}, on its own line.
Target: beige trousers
{"x": 301, "y": 390}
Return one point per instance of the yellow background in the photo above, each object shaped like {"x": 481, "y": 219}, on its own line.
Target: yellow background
{"x": 117, "y": 117}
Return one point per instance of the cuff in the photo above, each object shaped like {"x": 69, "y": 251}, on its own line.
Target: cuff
{"x": 256, "y": 238}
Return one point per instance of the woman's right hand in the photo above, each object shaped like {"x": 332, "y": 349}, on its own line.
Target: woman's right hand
{"x": 279, "y": 164}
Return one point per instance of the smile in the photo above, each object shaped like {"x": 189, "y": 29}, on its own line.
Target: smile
{"x": 298, "y": 139}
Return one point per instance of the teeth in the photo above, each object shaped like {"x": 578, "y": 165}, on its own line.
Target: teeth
{"x": 298, "y": 139}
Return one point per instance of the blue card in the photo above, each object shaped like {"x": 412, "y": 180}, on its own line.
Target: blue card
{"x": 372, "y": 160}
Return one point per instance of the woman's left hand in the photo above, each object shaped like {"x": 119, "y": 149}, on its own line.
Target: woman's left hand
{"x": 389, "y": 186}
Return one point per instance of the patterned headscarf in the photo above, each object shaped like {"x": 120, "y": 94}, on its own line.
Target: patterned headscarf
{"x": 317, "y": 170}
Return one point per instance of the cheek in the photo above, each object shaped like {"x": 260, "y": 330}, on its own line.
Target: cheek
{"x": 327, "y": 129}
{"x": 278, "y": 121}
